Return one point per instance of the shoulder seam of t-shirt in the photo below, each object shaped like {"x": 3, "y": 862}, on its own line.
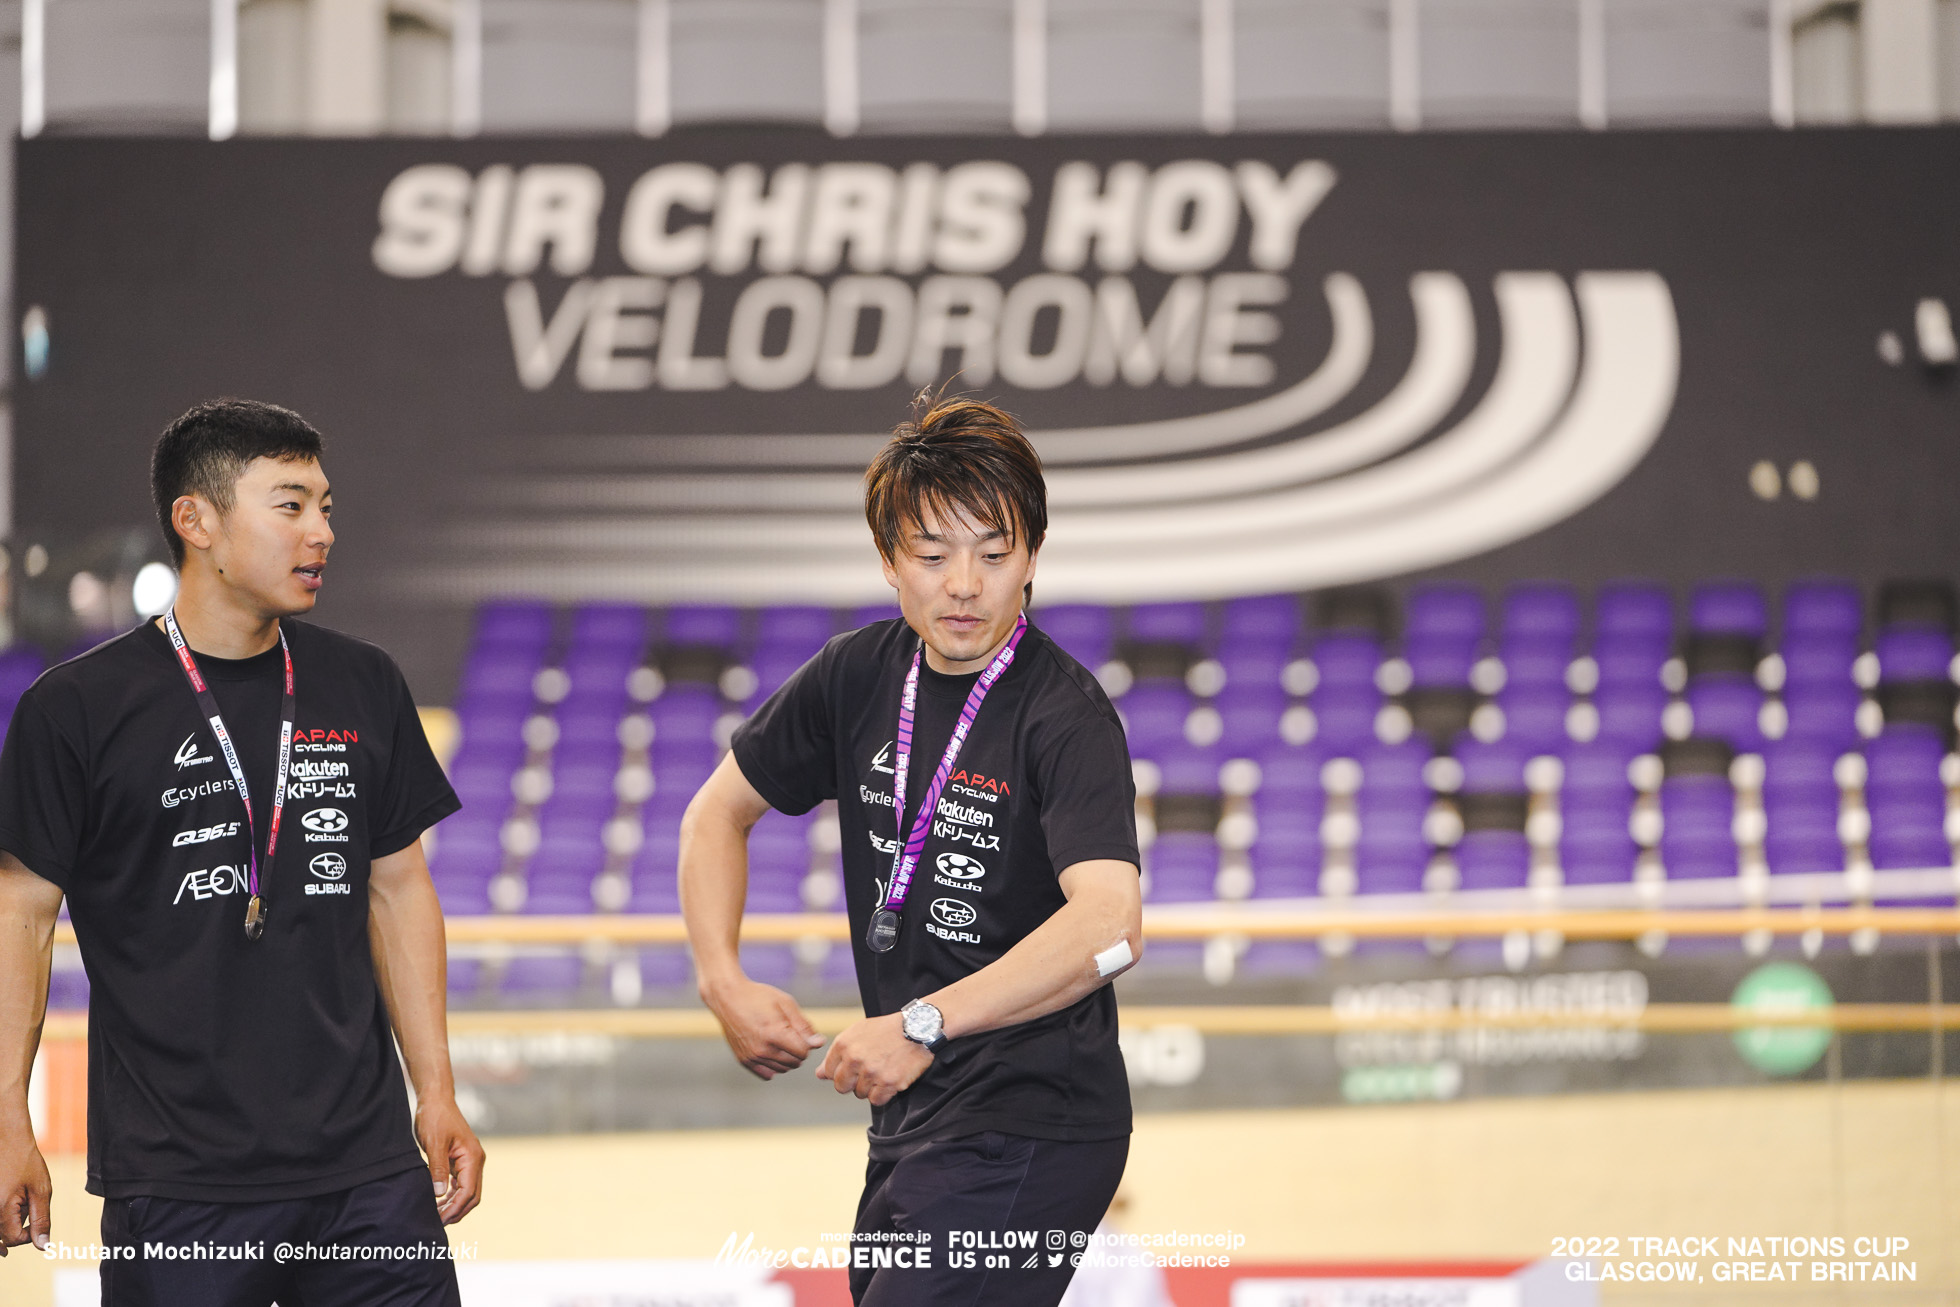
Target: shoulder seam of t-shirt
{"x": 40, "y": 863}
{"x": 764, "y": 784}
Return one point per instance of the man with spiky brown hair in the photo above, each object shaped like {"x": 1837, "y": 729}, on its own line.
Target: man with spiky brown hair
{"x": 990, "y": 864}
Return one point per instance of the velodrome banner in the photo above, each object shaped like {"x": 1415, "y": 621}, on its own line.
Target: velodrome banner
{"x": 653, "y": 370}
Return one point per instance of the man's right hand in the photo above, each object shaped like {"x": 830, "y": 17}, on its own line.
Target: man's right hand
{"x": 25, "y": 1191}
{"x": 764, "y": 1026}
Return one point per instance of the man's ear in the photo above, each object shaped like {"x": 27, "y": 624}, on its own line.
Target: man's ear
{"x": 891, "y": 573}
{"x": 194, "y": 520}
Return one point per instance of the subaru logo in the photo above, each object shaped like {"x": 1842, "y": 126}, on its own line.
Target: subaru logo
{"x": 952, "y": 912}
{"x": 328, "y": 866}
{"x": 960, "y": 867}
{"x": 327, "y": 821}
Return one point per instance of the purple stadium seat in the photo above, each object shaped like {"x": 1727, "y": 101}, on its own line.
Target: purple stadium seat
{"x": 1084, "y": 631}
{"x": 1630, "y": 658}
{"x": 716, "y": 626}
{"x": 465, "y": 978}
{"x": 1534, "y": 716}
{"x": 1189, "y": 768}
{"x": 463, "y": 895}
{"x": 1907, "y": 799}
{"x": 665, "y": 967}
{"x": 779, "y": 858}
{"x": 1176, "y": 623}
{"x": 1630, "y": 715}
{"x": 1535, "y": 660}
{"x": 1729, "y": 608}
{"x": 1267, "y": 622}
{"x": 1826, "y": 713}
{"x": 1833, "y": 608}
{"x": 1153, "y": 717}
{"x": 1346, "y": 715}
{"x": 798, "y": 628}
{"x": 516, "y": 624}
{"x": 1391, "y": 854}
{"x": 1493, "y": 859}
{"x": 772, "y": 667}
{"x": 1446, "y": 610}
{"x": 655, "y": 892}
{"x": 557, "y": 891}
{"x": 1633, "y": 608}
{"x": 68, "y": 989}
{"x": 1439, "y": 658}
{"x": 621, "y": 627}
{"x": 1727, "y": 706}
{"x": 498, "y": 676}
{"x": 466, "y": 854}
{"x": 1253, "y": 666}
{"x": 772, "y": 964}
{"x": 1394, "y": 769}
{"x": 1183, "y": 866}
{"x": 1595, "y": 803}
{"x": 1697, "y": 816}
{"x": 1914, "y": 654}
{"x": 1250, "y": 714}
{"x": 1541, "y": 609}
{"x": 1492, "y": 768}
{"x": 544, "y": 976}
{"x": 1800, "y": 805}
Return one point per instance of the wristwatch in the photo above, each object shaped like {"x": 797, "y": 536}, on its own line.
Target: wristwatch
{"x": 923, "y": 1025}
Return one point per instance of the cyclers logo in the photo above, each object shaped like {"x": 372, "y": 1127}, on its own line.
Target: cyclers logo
{"x": 187, "y": 754}
{"x": 185, "y": 794}
{"x": 325, "y": 826}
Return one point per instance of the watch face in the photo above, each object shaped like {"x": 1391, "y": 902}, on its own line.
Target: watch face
{"x": 921, "y": 1023}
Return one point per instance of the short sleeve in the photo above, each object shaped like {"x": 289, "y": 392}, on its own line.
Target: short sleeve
{"x": 44, "y": 789}
{"x": 1088, "y": 795}
{"x": 414, "y": 795}
{"x": 787, "y": 749}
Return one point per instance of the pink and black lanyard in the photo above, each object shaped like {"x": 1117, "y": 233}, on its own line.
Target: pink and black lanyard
{"x": 882, "y": 933}
{"x": 256, "y": 911}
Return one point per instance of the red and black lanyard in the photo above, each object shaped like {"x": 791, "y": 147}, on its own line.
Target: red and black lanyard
{"x": 255, "y": 912}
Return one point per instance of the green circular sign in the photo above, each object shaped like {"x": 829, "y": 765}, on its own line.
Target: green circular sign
{"x": 1785, "y": 989}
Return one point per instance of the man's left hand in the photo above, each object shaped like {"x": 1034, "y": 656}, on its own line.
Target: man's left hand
{"x": 455, "y": 1157}
{"x": 874, "y": 1060}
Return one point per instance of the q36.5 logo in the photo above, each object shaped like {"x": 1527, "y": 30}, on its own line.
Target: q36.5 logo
{"x": 328, "y": 866}
{"x": 325, "y": 821}
{"x": 953, "y": 913}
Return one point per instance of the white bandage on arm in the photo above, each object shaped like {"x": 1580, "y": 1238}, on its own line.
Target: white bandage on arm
{"x": 1114, "y": 958}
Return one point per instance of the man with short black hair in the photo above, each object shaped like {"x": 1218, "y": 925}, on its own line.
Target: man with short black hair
{"x": 990, "y": 865}
{"x": 232, "y": 803}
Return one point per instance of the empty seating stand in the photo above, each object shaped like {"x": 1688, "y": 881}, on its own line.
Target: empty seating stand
{"x": 1453, "y": 742}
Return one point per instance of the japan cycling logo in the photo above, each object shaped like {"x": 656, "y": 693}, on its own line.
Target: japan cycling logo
{"x": 328, "y": 866}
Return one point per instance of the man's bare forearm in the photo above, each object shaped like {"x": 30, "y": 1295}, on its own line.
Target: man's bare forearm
{"x": 28, "y": 909}
{"x": 714, "y": 872}
{"x": 411, "y": 965}
{"x": 1055, "y": 965}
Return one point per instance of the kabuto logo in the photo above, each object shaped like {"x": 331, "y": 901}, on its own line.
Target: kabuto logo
{"x": 325, "y": 826}
{"x": 187, "y": 754}
{"x": 328, "y": 866}
{"x": 957, "y": 871}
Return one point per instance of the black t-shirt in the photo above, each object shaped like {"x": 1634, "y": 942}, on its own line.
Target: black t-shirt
{"x": 1043, "y": 782}
{"x": 223, "y": 1069}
